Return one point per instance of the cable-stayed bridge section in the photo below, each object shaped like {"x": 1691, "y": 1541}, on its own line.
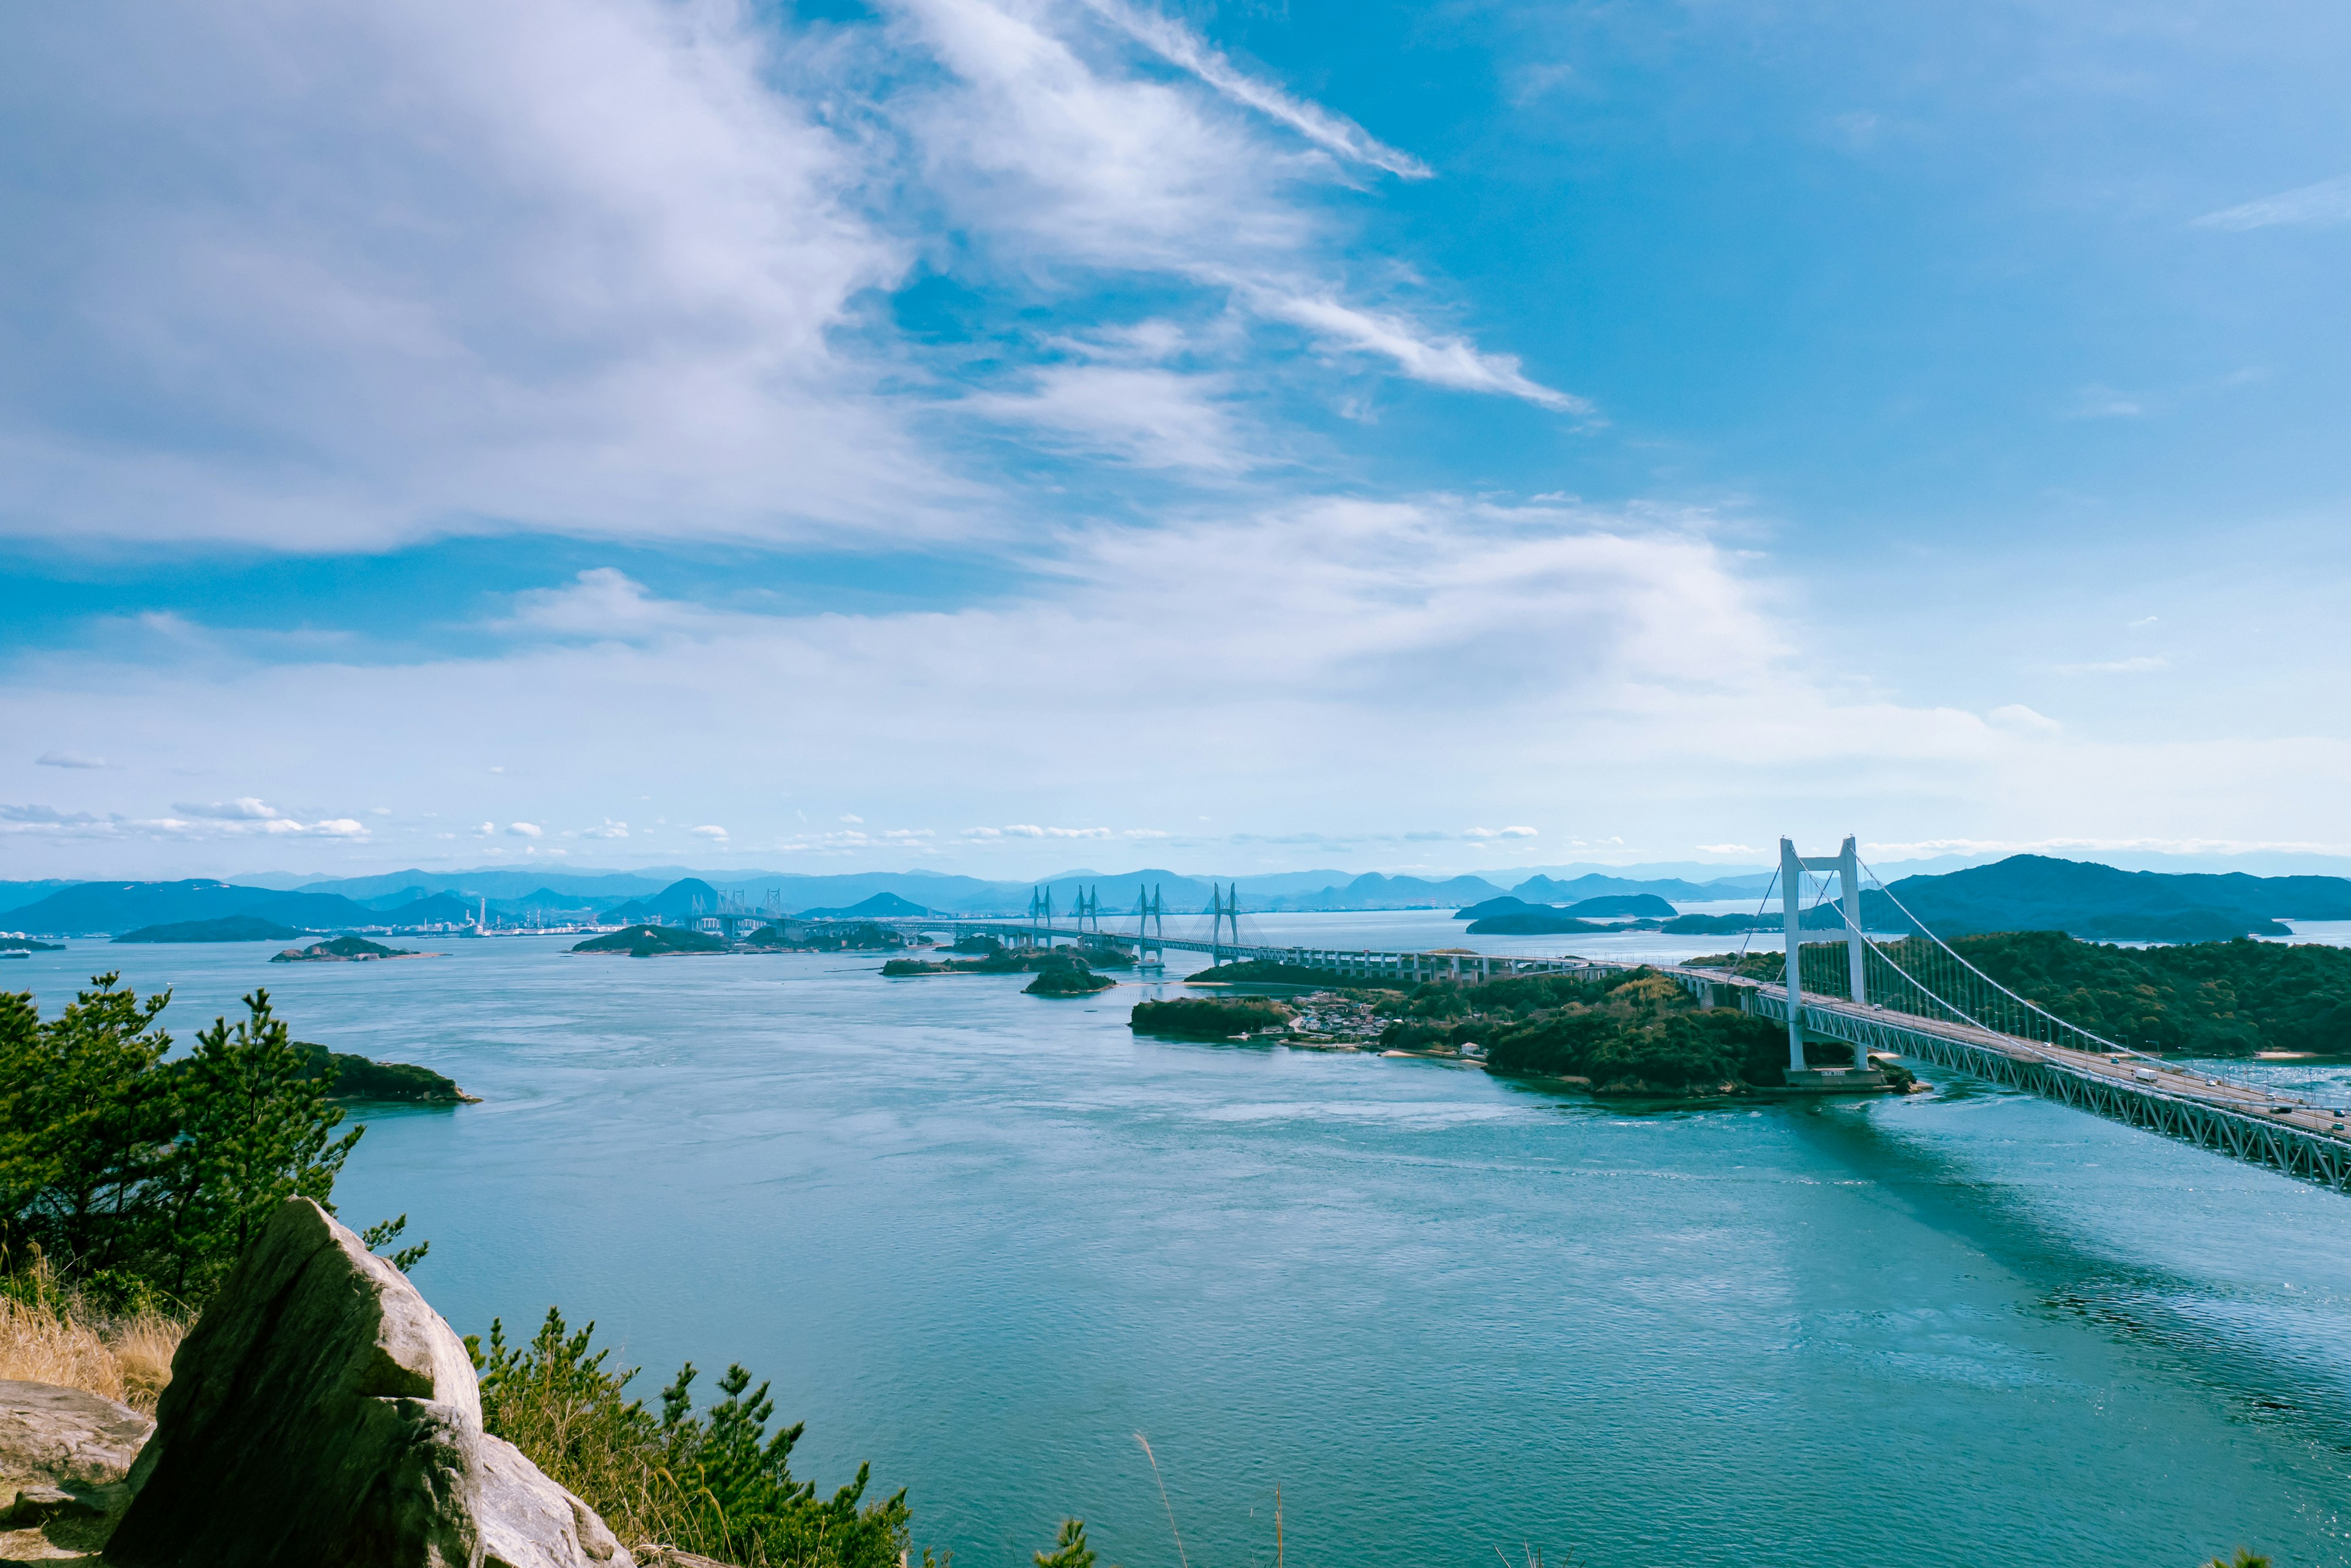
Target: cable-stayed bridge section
{"x": 1912, "y": 998}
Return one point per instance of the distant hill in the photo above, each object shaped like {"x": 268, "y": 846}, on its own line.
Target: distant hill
{"x": 16, "y": 894}
{"x": 1641, "y": 906}
{"x": 129, "y": 905}
{"x": 880, "y": 907}
{"x": 232, "y": 928}
{"x": 685, "y": 899}
{"x": 1544, "y": 890}
{"x": 1505, "y": 903}
{"x": 2039, "y": 893}
{"x": 437, "y": 909}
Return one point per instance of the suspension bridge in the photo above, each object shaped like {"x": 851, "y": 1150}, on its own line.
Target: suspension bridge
{"x": 1914, "y": 998}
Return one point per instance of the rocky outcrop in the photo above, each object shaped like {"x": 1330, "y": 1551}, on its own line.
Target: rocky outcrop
{"x": 63, "y": 1457}
{"x": 322, "y": 1413}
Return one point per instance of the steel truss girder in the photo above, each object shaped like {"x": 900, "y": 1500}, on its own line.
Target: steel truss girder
{"x": 2289, "y": 1150}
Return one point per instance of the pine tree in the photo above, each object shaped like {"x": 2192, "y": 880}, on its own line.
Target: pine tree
{"x": 255, "y": 1129}
{"x": 86, "y": 1124}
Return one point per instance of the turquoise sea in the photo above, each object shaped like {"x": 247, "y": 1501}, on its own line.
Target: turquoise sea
{"x": 984, "y": 1240}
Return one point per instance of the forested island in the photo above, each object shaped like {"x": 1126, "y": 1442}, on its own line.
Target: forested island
{"x": 651, "y": 941}
{"x": 343, "y": 950}
{"x": 1060, "y": 971}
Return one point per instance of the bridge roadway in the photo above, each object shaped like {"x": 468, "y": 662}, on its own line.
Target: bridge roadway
{"x": 2286, "y": 1132}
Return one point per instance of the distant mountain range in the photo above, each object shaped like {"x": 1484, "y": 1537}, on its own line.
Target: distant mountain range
{"x": 2037, "y": 892}
{"x": 2021, "y": 893}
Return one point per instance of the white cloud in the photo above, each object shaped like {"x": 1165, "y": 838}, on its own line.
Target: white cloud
{"x": 2324, "y": 204}
{"x": 1726, "y": 850}
{"x": 245, "y": 809}
{"x": 238, "y": 819}
{"x": 48, "y": 817}
{"x": 524, "y": 829}
{"x": 711, "y": 831}
{"x": 1498, "y": 832}
{"x": 1444, "y": 361}
{"x": 610, "y": 830}
{"x": 1056, "y": 163}
{"x": 1142, "y": 415}
{"x": 1179, "y": 46}
{"x": 68, "y": 760}
{"x": 1349, "y": 666}
{"x": 558, "y": 263}
{"x": 2023, "y": 720}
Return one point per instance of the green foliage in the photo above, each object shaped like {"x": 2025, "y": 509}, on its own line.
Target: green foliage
{"x": 2203, "y": 998}
{"x": 377, "y": 1237}
{"x": 2246, "y": 1557}
{"x": 255, "y": 1129}
{"x": 1209, "y": 1018}
{"x": 144, "y": 1179}
{"x": 718, "y": 1483}
{"x": 1637, "y": 1033}
{"x": 1070, "y": 1548}
{"x": 86, "y": 1124}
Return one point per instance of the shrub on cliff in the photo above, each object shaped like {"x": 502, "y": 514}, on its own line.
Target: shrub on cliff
{"x": 717, "y": 1483}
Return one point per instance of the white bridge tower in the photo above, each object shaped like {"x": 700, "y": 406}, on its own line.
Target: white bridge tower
{"x": 1846, "y": 864}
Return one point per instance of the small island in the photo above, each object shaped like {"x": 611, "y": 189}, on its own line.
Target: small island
{"x": 344, "y": 950}
{"x": 17, "y": 942}
{"x": 357, "y": 1078}
{"x": 1069, "y": 978}
{"x": 229, "y": 928}
{"x": 652, "y": 942}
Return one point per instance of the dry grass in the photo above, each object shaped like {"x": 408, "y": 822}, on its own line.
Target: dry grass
{"x": 45, "y": 1339}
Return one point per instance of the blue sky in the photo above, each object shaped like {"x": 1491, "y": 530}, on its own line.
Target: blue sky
{"x": 993, "y": 434}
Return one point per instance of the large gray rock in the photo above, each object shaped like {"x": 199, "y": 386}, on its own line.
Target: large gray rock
{"x": 65, "y": 1436}
{"x": 321, "y": 1413}
{"x": 63, "y": 1456}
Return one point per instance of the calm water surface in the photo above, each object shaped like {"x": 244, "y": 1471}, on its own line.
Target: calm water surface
{"x": 983, "y": 1239}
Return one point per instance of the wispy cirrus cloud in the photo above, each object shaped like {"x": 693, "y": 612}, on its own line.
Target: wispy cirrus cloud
{"x": 2320, "y": 206}
{"x": 1181, "y": 47}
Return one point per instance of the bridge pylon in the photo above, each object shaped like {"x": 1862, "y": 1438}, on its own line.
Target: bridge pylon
{"x": 1846, "y": 864}
{"x": 1228, "y": 912}
{"x": 1150, "y": 927}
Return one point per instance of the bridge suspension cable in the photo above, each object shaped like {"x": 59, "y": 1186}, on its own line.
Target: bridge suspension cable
{"x": 1989, "y": 1005}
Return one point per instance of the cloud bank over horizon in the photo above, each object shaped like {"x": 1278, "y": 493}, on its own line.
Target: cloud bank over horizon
{"x": 649, "y": 429}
